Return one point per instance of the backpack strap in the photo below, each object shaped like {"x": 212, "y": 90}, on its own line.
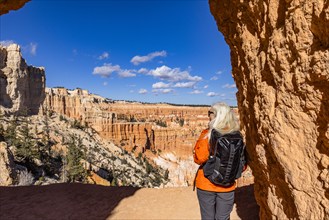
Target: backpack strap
{"x": 196, "y": 174}
{"x": 230, "y": 162}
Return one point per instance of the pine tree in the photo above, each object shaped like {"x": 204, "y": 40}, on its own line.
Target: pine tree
{"x": 27, "y": 147}
{"x": 74, "y": 168}
{"x": 63, "y": 168}
{"x": 46, "y": 132}
{"x": 10, "y": 134}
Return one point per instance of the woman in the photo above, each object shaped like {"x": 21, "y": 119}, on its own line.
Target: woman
{"x": 216, "y": 202}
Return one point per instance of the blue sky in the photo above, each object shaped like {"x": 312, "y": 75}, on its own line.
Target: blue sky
{"x": 148, "y": 51}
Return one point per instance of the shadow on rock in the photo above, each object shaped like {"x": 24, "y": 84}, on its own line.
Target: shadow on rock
{"x": 61, "y": 201}
{"x": 246, "y": 206}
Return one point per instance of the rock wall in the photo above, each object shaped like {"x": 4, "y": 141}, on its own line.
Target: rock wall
{"x": 7, "y": 5}
{"x": 280, "y": 63}
{"x": 135, "y": 127}
{"x": 7, "y": 166}
{"x": 132, "y": 125}
{"x": 21, "y": 86}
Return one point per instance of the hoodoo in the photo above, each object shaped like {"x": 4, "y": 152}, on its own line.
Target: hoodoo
{"x": 22, "y": 87}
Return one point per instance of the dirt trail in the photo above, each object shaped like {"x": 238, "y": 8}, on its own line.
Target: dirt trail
{"x": 178, "y": 203}
{"x": 94, "y": 202}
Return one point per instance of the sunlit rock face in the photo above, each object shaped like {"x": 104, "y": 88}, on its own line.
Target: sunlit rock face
{"x": 7, "y": 166}
{"x": 136, "y": 128}
{"x": 133, "y": 126}
{"x": 280, "y": 63}
{"x": 164, "y": 133}
{"x": 22, "y": 87}
{"x": 7, "y": 5}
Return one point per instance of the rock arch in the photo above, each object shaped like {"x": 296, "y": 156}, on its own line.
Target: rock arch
{"x": 280, "y": 63}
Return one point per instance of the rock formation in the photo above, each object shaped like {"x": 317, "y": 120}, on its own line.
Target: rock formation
{"x": 132, "y": 125}
{"x": 280, "y": 63}
{"x": 140, "y": 128}
{"x": 164, "y": 133}
{"x": 22, "y": 87}
{"x": 135, "y": 127}
{"x": 7, "y": 5}
{"x": 7, "y": 166}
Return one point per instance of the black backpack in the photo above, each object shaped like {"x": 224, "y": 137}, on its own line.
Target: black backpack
{"x": 227, "y": 158}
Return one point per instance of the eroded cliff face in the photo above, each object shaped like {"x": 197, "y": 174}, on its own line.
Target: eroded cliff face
{"x": 280, "y": 63}
{"x": 22, "y": 87}
{"x": 132, "y": 125}
{"x": 164, "y": 133}
{"x": 7, "y": 166}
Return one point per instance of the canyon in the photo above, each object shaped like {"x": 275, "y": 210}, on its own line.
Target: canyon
{"x": 135, "y": 125}
{"x": 163, "y": 133}
{"x": 280, "y": 63}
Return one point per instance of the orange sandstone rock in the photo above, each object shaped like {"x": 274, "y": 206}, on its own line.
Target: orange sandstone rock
{"x": 280, "y": 63}
{"x": 7, "y": 5}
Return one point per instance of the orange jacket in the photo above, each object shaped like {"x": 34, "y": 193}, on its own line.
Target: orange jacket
{"x": 200, "y": 155}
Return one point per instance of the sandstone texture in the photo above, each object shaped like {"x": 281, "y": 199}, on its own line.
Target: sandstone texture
{"x": 162, "y": 132}
{"x": 143, "y": 126}
{"x": 22, "y": 87}
{"x": 132, "y": 125}
{"x": 7, "y": 166}
{"x": 280, "y": 63}
{"x": 7, "y": 5}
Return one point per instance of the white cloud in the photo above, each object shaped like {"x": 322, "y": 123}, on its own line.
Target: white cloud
{"x": 172, "y": 75}
{"x": 206, "y": 86}
{"x": 163, "y": 91}
{"x": 142, "y": 59}
{"x": 126, "y": 73}
{"x": 142, "y": 91}
{"x": 106, "y": 70}
{"x": 229, "y": 86}
{"x": 104, "y": 55}
{"x": 33, "y": 48}
{"x": 212, "y": 94}
{"x": 185, "y": 84}
{"x": 219, "y": 72}
{"x": 6, "y": 43}
{"x": 196, "y": 92}
{"x": 105, "y": 83}
{"x": 214, "y": 78}
{"x": 160, "y": 85}
{"x": 143, "y": 70}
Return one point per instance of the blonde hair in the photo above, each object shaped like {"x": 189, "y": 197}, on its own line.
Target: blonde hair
{"x": 224, "y": 121}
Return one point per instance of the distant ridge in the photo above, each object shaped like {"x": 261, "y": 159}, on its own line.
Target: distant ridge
{"x": 146, "y": 103}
